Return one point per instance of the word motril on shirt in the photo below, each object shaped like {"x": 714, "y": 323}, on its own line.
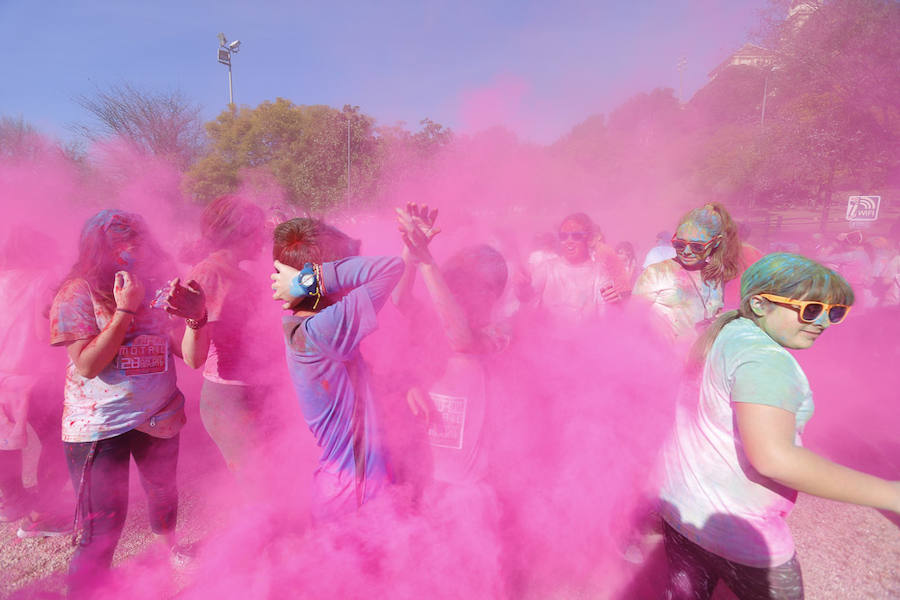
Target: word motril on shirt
{"x": 145, "y": 354}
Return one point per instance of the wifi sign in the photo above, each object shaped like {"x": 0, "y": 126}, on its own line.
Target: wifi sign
{"x": 863, "y": 208}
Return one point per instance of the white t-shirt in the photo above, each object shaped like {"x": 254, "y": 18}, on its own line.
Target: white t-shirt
{"x": 711, "y": 494}
{"x": 138, "y": 382}
{"x": 658, "y": 254}
{"x": 570, "y": 292}
{"x": 680, "y": 298}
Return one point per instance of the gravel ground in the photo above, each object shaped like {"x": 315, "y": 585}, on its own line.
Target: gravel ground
{"x": 847, "y": 552}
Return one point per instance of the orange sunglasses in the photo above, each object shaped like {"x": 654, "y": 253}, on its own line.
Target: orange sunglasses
{"x": 810, "y": 310}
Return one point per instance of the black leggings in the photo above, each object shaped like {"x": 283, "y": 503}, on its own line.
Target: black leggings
{"x": 100, "y": 470}
{"x": 694, "y": 573}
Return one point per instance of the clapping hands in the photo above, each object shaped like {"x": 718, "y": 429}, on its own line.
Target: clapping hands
{"x": 417, "y": 230}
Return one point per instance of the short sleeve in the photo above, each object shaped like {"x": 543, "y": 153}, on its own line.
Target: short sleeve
{"x": 211, "y": 282}
{"x": 769, "y": 376}
{"x": 72, "y": 315}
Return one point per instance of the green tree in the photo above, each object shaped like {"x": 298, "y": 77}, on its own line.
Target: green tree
{"x": 835, "y": 104}
{"x": 306, "y": 149}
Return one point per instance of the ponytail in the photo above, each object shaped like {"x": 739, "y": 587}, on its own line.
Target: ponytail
{"x": 697, "y": 355}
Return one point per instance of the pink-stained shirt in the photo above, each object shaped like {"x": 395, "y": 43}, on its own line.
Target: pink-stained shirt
{"x": 711, "y": 493}
{"x": 680, "y": 298}
{"x": 231, "y": 302}
{"x": 572, "y": 293}
{"x": 138, "y": 381}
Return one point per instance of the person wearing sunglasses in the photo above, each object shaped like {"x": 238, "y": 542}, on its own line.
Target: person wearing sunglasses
{"x": 570, "y": 285}
{"x": 734, "y": 464}
{"x": 688, "y": 291}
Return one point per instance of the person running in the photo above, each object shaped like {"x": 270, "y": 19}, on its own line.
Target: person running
{"x": 334, "y": 298}
{"x": 121, "y": 399}
{"x": 734, "y": 465}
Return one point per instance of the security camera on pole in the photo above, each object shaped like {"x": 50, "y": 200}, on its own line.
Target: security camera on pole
{"x": 226, "y": 49}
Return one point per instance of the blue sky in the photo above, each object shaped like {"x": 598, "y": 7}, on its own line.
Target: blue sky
{"x": 542, "y": 66}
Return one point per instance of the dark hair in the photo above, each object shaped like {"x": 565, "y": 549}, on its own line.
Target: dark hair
{"x": 627, "y": 247}
{"x": 781, "y": 274}
{"x": 302, "y": 240}
{"x": 98, "y": 258}
{"x": 582, "y": 219}
{"x": 477, "y": 276}
{"x": 228, "y": 219}
{"x": 479, "y": 265}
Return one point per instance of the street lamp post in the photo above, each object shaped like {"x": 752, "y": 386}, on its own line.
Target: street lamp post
{"x": 226, "y": 49}
{"x": 762, "y": 115}
{"x": 348, "y": 160}
{"x": 681, "y": 66}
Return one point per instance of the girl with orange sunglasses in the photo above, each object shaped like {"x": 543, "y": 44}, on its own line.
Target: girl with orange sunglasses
{"x": 734, "y": 465}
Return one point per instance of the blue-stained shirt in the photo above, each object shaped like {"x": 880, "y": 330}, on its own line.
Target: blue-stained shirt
{"x": 332, "y": 382}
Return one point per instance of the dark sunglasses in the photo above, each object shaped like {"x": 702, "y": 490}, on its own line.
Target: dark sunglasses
{"x": 694, "y": 247}
{"x": 810, "y": 310}
{"x": 578, "y": 236}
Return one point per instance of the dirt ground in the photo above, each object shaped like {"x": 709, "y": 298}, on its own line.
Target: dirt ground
{"x": 847, "y": 552}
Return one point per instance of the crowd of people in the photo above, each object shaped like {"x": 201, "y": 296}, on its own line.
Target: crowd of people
{"x": 726, "y": 478}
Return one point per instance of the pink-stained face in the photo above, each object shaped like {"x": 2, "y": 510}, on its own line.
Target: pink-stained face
{"x": 573, "y": 242}
{"x": 693, "y": 233}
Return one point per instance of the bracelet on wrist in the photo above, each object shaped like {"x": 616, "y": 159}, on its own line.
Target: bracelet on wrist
{"x": 196, "y": 324}
{"x": 126, "y": 311}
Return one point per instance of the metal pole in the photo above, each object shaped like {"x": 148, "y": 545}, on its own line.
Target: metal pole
{"x": 348, "y": 161}
{"x": 762, "y": 118}
{"x": 230, "y": 87}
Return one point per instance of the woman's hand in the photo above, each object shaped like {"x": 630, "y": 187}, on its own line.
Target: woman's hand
{"x": 417, "y": 230}
{"x": 609, "y": 293}
{"x": 419, "y": 404}
{"x": 187, "y": 302}
{"x": 281, "y": 284}
{"x": 128, "y": 291}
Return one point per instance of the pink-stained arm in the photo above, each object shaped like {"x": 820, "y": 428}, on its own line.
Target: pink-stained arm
{"x": 402, "y": 296}
{"x": 417, "y": 230}
{"x": 91, "y": 356}
{"x": 450, "y": 313}
{"x": 768, "y": 434}
{"x": 189, "y": 302}
{"x": 195, "y": 346}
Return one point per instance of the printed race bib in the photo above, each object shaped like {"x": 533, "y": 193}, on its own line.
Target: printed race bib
{"x": 446, "y": 431}
{"x": 144, "y": 354}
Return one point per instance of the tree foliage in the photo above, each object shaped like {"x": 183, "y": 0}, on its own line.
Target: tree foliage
{"x": 306, "y": 149}
{"x": 832, "y": 102}
{"x": 166, "y": 125}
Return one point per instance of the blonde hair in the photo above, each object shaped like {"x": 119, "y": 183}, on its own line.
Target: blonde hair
{"x": 781, "y": 274}
{"x": 724, "y": 261}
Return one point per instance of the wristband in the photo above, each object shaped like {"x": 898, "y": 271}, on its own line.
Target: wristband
{"x": 196, "y": 324}
{"x": 126, "y": 311}
{"x": 305, "y": 283}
